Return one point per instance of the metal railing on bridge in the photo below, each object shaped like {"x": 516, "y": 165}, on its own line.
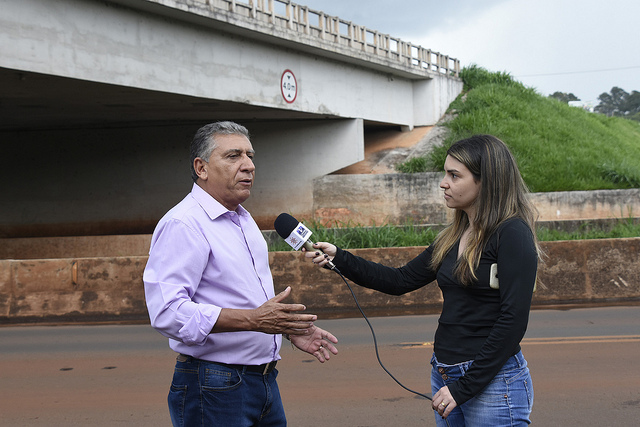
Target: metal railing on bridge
{"x": 288, "y": 15}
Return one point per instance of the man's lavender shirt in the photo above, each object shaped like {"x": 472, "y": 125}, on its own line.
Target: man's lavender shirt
{"x": 204, "y": 258}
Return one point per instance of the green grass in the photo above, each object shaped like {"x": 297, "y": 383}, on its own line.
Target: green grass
{"x": 414, "y": 165}
{"x": 356, "y": 236}
{"x": 558, "y": 147}
{"x": 586, "y": 231}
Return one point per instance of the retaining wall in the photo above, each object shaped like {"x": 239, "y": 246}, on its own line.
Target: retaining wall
{"x": 103, "y": 289}
{"x": 376, "y": 199}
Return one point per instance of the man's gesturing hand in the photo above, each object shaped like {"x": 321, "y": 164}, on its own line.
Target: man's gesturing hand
{"x": 274, "y": 317}
{"x": 318, "y": 343}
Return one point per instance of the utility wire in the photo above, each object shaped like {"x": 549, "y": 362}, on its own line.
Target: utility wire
{"x": 580, "y": 72}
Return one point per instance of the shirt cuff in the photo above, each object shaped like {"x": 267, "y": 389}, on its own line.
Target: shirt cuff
{"x": 197, "y": 328}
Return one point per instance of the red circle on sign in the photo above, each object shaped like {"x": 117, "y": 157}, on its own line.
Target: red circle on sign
{"x": 288, "y": 86}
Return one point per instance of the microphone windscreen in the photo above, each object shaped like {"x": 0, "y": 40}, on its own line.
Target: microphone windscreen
{"x": 285, "y": 224}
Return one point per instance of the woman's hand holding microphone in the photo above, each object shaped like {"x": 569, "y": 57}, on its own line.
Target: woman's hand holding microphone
{"x": 319, "y": 258}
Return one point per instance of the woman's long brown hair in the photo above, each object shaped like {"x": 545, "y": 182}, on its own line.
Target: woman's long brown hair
{"x": 503, "y": 195}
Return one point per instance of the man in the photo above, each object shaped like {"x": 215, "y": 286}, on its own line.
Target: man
{"x": 209, "y": 289}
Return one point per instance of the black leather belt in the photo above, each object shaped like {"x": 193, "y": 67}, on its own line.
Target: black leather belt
{"x": 264, "y": 369}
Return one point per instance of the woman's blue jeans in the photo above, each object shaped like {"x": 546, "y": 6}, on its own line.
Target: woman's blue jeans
{"x": 209, "y": 394}
{"x": 506, "y": 401}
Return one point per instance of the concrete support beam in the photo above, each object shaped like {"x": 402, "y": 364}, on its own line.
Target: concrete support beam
{"x": 289, "y": 156}
{"x": 431, "y": 98}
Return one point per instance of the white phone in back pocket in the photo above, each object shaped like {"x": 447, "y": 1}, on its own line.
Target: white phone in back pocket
{"x": 493, "y": 277}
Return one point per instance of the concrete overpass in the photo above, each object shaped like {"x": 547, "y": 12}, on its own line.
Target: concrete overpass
{"x": 100, "y": 98}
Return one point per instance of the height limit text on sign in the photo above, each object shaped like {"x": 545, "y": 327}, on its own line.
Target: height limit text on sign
{"x": 289, "y": 86}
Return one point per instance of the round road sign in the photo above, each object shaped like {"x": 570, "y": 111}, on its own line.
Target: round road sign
{"x": 289, "y": 86}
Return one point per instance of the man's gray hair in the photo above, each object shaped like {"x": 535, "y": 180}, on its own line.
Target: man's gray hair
{"x": 204, "y": 141}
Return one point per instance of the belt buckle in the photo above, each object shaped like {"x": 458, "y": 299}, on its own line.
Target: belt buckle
{"x": 268, "y": 367}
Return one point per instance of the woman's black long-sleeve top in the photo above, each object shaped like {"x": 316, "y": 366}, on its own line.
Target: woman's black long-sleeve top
{"x": 477, "y": 322}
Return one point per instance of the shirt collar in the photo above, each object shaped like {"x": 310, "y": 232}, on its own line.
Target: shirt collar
{"x": 211, "y": 206}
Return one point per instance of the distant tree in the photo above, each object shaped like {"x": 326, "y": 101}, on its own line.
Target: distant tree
{"x": 632, "y": 103}
{"x": 564, "y": 97}
{"x": 619, "y": 103}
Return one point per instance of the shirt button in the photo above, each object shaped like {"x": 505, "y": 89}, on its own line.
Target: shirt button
{"x": 234, "y": 218}
{"x": 441, "y": 370}
{"x": 445, "y": 377}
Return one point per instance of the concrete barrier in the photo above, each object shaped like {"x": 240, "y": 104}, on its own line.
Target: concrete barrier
{"x": 107, "y": 289}
{"x": 398, "y": 198}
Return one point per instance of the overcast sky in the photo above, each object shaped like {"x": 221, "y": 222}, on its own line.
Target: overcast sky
{"x": 584, "y": 47}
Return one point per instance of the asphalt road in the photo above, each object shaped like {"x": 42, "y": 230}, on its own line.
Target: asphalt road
{"x": 584, "y": 364}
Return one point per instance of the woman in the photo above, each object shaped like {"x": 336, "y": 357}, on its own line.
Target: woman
{"x": 479, "y": 376}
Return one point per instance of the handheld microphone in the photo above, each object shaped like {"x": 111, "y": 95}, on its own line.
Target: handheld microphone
{"x": 297, "y": 235}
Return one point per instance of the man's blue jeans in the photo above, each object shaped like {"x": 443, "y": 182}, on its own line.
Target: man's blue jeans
{"x": 209, "y": 394}
{"x": 506, "y": 401}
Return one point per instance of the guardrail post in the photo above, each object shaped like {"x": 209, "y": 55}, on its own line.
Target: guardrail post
{"x": 321, "y": 24}
{"x": 350, "y": 33}
{"x": 290, "y": 8}
{"x": 252, "y": 11}
{"x": 411, "y": 58}
{"x": 387, "y": 46}
{"x": 376, "y": 42}
{"x": 272, "y": 12}
{"x": 305, "y": 19}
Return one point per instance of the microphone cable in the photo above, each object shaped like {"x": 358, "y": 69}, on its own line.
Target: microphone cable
{"x": 375, "y": 343}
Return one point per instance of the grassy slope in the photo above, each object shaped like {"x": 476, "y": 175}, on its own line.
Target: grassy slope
{"x": 558, "y": 148}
